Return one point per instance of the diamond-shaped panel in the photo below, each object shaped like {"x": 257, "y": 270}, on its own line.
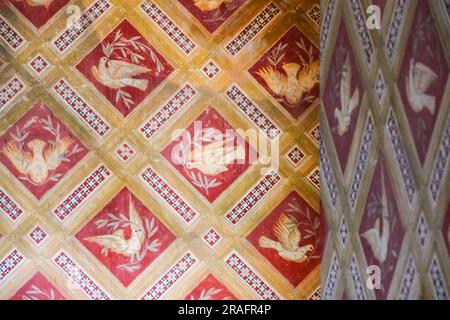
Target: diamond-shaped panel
{"x": 125, "y": 151}
{"x": 210, "y": 70}
{"x": 212, "y": 14}
{"x": 212, "y": 238}
{"x": 38, "y": 288}
{"x": 38, "y": 235}
{"x": 125, "y": 236}
{"x": 39, "y": 150}
{"x": 342, "y": 95}
{"x": 210, "y": 289}
{"x": 422, "y": 78}
{"x": 39, "y": 65}
{"x": 381, "y": 230}
{"x": 289, "y": 238}
{"x": 125, "y": 68}
{"x": 210, "y": 154}
{"x": 295, "y": 156}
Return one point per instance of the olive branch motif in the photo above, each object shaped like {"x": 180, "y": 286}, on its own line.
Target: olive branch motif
{"x": 311, "y": 226}
{"x": 22, "y": 133}
{"x": 308, "y": 51}
{"x": 374, "y": 209}
{"x": 220, "y": 15}
{"x": 277, "y": 54}
{"x": 34, "y": 292}
{"x": 131, "y": 49}
{"x": 206, "y": 135}
{"x": 113, "y": 222}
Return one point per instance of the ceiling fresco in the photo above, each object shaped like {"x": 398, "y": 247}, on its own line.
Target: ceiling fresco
{"x": 384, "y": 162}
{"x": 159, "y": 149}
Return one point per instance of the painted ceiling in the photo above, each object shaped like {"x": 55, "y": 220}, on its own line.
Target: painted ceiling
{"x": 101, "y": 196}
{"x": 386, "y": 137}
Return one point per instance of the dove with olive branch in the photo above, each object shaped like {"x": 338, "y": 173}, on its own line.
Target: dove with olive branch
{"x": 119, "y": 74}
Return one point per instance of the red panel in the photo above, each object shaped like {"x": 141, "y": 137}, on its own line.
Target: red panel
{"x": 125, "y": 236}
{"x": 125, "y": 68}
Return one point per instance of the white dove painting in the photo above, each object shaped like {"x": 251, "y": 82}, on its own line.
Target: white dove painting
{"x": 349, "y": 99}
{"x": 342, "y": 95}
{"x": 210, "y": 154}
{"x": 418, "y": 81}
{"x": 125, "y": 236}
{"x": 381, "y": 230}
{"x": 289, "y": 238}
{"x": 125, "y": 68}
{"x": 39, "y": 150}
{"x": 37, "y": 3}
{"x": 289, "y": 71}
{"x": 210, "y": 289}
{"x": 212, "y": 14}
{"x": 423, "y": 78}
{"x": 378, "y": 235}
{"x": 38, "y": 12}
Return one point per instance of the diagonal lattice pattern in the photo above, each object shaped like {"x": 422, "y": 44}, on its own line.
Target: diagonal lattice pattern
{"x": 193, "y": 232}
{"x": 389, "y": 177}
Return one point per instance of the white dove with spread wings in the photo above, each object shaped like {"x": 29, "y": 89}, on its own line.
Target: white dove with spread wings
{"x": 349, "y": 100}
{"x": 418, "y": 81}
{"x": 117, "y": 242}
{"x": 294, "y": 82}
{"x": 289, "y": 237}
{"x": 38, "y": 164}
{"x": 379, "y": 239}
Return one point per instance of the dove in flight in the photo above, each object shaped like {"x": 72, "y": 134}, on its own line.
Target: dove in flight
{"x": 418, "y": 81}
{"x": 349, "y": 100}
{"x": 117, "y": 242}
{"x": 288, "y": 240}
{"x": 212, "y": 159}
{"x": 37, "y": 163}
{"x": 37, "y": 3}
{"x": 294, "y": 82}
{"x": 378, "y": 239}
{"x": 209, "y": 5}
{"x": 117, "y": 74}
